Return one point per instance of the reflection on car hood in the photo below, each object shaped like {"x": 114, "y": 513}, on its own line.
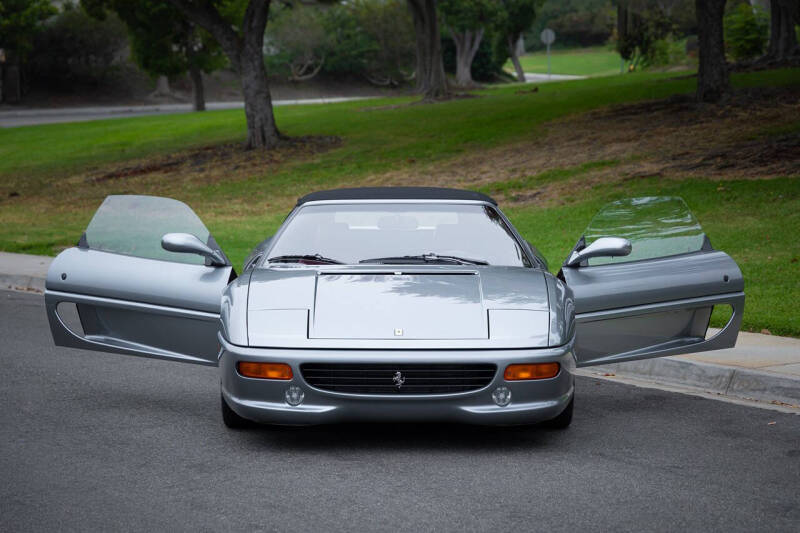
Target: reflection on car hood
{"x": 326, "y": 306}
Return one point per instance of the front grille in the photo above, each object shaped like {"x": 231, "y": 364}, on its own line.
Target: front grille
{"x": 358, "y": 378}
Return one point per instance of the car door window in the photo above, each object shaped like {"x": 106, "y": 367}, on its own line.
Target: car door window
{"x": 657, "y": 226}
{"x": 133, "y": 225}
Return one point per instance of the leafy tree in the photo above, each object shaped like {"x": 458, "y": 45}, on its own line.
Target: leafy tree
{"x": 576, "y": 22}
{"x": 467, "y": 21}
{"x": 516, "y": 17}
{"x": 389, "y": 60}
{"x": 642, "y": 26}
{"x": 431, "y": 82}
{"x": 74, "y": 51}
{"x": 745, "y": 29}
{"x": 784, "y": 16}
{"x": 487, "y": 66}
{"x": 373, "y": 39}
{"x": 19, "y": 22}
{"x": 301, "y": 42}
{"x": 164, "y": 42}
{"x": 238, "y": 27}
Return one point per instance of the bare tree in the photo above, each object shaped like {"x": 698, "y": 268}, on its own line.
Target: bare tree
{"x": 712, "y": 72}
{"x": 243, "y": 45}
{"x": 431, "y": 81}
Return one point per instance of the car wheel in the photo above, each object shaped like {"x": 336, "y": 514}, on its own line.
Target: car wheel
{"x": 563, "y": 420}
{"x": 231, "y": 419}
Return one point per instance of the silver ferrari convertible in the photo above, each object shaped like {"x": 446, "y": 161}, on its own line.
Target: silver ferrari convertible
{"x": 390, "y": 304}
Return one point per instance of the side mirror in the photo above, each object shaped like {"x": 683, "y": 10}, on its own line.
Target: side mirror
{"x": 602, "y": 247}
{"x": 187, "y": 243}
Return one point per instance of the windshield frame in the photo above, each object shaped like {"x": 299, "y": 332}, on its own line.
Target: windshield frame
{"x": 533, "y": 260}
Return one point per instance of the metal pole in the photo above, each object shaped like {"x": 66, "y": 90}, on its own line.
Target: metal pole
{"x": 548, "y": 60}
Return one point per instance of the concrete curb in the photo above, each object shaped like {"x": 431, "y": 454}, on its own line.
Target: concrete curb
{"x": 737, "y": 382}
{"x": 22, "y": 283}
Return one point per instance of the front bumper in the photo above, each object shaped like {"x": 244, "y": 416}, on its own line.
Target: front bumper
{"x": 263, "y": 400}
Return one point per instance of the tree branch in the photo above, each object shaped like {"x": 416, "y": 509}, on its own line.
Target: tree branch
{"x": 207, "y": 16}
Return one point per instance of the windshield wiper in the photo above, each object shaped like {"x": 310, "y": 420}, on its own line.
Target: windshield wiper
{"x": 302, "y": 258}
{"x": 425, "y": 258}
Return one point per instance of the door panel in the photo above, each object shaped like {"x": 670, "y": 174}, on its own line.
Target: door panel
{"x": 159, "y": 305}
{"x": 617, "y": 285}
{"x": 654, "y": 305}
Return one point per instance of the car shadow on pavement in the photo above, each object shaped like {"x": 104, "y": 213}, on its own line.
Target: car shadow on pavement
{"x": 403, "y": 436}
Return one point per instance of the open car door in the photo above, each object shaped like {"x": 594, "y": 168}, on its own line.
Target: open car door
{"x": 657, "y": 299}
{"x": 132, "y": 295}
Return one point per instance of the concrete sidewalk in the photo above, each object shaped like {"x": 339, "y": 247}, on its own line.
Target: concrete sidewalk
{"x": 537, "y": 77}
{"x": 761, "y": 367}
{"x": 23, "y": 272}
{"x": 765, "y": 368}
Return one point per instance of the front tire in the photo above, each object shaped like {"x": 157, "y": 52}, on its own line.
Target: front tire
{"x": 231, "y": 419}
{"x": 563, "y": 420}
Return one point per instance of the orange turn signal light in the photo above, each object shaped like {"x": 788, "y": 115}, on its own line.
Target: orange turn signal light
{"x": 531, "y": 371}
{"x": 264, "y": 370}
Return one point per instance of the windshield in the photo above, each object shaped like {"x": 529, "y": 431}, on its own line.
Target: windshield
{"x": 382, "y": 233}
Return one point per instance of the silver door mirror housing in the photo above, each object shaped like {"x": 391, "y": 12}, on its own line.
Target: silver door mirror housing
{"x": 602, "y": 247}
{"x": 187, "y": 243}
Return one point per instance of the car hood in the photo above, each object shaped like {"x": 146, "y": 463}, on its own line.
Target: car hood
{"x": 398, "y": 307}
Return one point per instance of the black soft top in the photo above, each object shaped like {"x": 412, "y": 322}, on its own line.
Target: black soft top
{"x": 396, "y": 193}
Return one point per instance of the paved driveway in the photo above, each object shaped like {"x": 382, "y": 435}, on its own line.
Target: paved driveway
{"x": 90, "y": 441}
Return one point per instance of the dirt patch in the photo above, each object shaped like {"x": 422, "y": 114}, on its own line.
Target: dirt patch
{"x": 216, "y": 162}
{"x": 669, "y": 138}
{"x": 754, "y": 135}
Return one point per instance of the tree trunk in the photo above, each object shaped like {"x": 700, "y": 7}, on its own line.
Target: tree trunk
{"x": 261, "y": 128}
{"x": 12, "y": 83}
{"x": 782, "y": 37}
{"x": 245, "y": 52}
{"x": 467, "y": 44}
{"x": 513, "y": 52}
{"x": 162, "y": 87}
{"x": 198, "y": 91}
{"x": 712, "y": 73}
{"x": 431, "y": 81}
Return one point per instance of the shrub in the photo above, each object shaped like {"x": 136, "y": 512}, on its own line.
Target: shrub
{"x": 74, "y": 49}
{"x": 664, "y": 52}
{"x": 365, "y": 38}
{"x": 746, "y": 31}
{"x": 297, "y": 42}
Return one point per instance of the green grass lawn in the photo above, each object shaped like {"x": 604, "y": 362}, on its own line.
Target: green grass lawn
{"x": 594, "y": 61}
{"x": 46, "y": 199}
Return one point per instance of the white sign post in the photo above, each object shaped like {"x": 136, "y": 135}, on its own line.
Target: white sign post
{"x": 548, "y": 36}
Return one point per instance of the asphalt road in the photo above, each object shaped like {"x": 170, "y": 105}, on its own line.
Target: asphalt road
{"x": 90, "y": 441}
{"x": 36, "y": 116}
